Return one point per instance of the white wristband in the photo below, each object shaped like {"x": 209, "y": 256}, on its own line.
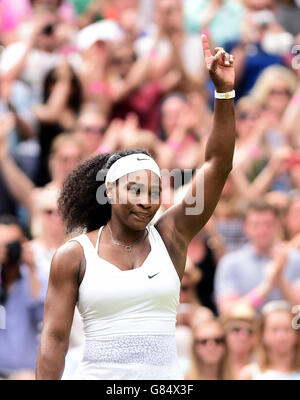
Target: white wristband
{"x": 225, "y": 96}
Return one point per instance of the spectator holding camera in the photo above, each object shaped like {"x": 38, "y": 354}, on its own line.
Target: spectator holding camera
{"x": 30, "y": 58}
{"x": 22, "y": 296}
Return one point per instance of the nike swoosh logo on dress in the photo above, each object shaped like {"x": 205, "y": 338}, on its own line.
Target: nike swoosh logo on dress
{"x": 152, "y": 276}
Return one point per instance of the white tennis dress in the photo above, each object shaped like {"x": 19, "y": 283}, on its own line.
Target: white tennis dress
{"x": 129, "y": 316}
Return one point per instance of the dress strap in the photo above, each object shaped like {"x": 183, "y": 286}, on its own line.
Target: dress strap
{"x": 98, "y": 239}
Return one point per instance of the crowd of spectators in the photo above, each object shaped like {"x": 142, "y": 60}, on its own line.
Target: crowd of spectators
{"x": 84, "y": 77}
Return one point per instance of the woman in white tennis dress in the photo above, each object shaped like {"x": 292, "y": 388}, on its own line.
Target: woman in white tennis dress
{"x": 130, "y": 330}
{"x": 123, "y": 274}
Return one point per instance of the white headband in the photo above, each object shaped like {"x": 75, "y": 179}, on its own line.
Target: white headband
{"x": 131, "y": 163}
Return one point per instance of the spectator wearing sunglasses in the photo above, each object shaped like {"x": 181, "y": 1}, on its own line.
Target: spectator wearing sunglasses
{"x": 278, "y": 349}
{"x": 239, "y": 326}
{"x": 46, "y": 229}
{"x": 208, "y": 351}
{"x": 90, "y": 128}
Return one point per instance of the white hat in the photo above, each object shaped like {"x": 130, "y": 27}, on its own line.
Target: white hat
{"x": 106, "y": 30}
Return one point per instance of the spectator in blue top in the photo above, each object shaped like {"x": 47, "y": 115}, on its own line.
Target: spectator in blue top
{"x": 254, "y": 273}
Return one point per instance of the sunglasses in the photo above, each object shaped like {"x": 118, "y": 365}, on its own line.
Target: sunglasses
{"x": 50, "y": 212}
{"x": 92, "y": 129}
{"x": 123, "y": 60}
{"x": 244, "y": 115}
{"x": 280, "y": 92}
{"x": 49, "y": 29}
{"x": 238, "y": 329}
{"x": 217, "y": 340}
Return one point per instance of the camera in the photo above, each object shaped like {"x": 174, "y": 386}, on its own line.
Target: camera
{"x": 14, "y": 251}
{"x": 48, "y": 29}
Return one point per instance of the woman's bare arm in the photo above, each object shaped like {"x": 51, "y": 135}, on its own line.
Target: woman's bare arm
{"x": 57, "y": 102}
{"x": 189, "y": 216}
{"x": 60, "y": 302}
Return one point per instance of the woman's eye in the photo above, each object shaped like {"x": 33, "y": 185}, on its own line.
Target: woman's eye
{"x": 135, "y": 190}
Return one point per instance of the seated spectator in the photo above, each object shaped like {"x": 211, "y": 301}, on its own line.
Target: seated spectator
{"x": 22, "y": 295}
{"x": 240, "y": 330}
{"x": 252, "y": 273}
{"x": 208, "y": 351}
{"x": 192, "y": 316}
{"x": 278, "y": 352}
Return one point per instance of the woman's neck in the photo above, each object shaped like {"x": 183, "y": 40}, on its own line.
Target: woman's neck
{"x": 210, "y": 372}
{"x": 238, "y": 361}
{"x": 121, "y": 233}
{"x": 281, "y": 362}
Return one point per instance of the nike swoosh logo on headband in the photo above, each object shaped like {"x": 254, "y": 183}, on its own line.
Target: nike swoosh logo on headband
{"x": 143, "y": 159}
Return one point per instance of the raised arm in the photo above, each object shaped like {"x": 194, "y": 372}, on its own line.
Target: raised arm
{"x": 59, "y": 311}
{"x": 189, "y": 216}
{"x": 18, "y": 184}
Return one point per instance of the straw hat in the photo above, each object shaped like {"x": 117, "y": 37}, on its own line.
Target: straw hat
{"x": 240, "y": 311}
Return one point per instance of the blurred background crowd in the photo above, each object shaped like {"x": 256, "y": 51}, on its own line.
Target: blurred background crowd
{"x": 85, "y": 77}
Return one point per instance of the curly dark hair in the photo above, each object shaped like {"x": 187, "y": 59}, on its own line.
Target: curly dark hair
{"x": 77, "y": 203}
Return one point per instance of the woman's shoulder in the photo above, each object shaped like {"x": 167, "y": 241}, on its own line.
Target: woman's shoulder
{"x": 67, "y": 259}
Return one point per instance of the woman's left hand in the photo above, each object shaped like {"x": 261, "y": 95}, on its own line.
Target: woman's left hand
{"x": 220, "y": 67}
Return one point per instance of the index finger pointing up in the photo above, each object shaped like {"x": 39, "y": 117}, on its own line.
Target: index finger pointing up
{"x": 205, "y": 45}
